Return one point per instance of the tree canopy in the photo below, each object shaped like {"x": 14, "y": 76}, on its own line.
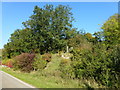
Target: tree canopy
{"x": 48, "y": 29}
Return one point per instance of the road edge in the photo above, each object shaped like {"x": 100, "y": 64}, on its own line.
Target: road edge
{"x": 19, "y": 80}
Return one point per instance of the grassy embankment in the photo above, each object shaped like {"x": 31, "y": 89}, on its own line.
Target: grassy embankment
{"x": 50, "y": 77}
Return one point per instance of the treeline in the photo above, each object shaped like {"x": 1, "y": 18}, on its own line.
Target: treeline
{"x": 50, "y": 30}
{"x": 47, "y": 30}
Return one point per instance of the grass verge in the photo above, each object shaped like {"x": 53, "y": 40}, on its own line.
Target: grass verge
{"x": 39, "y": 81}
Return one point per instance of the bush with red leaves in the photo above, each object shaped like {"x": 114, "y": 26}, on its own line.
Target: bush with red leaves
{"x": 24, "y": 62}
{"x": 7, "y": 62}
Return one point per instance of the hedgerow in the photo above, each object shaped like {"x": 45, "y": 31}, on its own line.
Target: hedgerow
{"x": 100, "y": 64}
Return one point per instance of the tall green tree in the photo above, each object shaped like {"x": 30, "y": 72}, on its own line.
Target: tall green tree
{"x": 111, "y": 30}
{"x": 50, "y": 26}
{"x": 19, "y": 42}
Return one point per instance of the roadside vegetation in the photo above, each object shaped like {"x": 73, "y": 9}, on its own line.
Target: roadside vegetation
{"x": 50, "y": 53}
{"x": 51, "y": 77}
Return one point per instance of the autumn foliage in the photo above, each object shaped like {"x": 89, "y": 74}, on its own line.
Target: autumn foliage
{"x": 8, "y": 63}
{"x": 24, "y": 62}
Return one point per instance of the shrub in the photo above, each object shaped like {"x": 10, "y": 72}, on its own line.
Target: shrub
{"x": 60, "y": 53}
{"x": 114, "y": 72}
{"x": 101, "y": 65}
{"x": 65, "y": 61}
{"x": 66, "y": 69}
{"x": 39, "y": 63}
{"x": 24, "y": 62}
{"x": 8, "y": 62}
{"x": 47, "y": 57}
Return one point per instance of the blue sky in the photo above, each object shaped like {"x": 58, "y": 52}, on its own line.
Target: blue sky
{"x": 0, "y": 16}
{"x": 87, "y": 15}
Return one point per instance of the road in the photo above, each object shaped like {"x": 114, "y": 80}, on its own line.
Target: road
{"x": 8, "y": 81}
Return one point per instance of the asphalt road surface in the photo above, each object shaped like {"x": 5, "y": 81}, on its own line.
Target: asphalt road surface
{"x": 8, "y": 81}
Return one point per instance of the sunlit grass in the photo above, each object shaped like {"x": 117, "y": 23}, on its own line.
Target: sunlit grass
{"x": 40, "y": 81}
